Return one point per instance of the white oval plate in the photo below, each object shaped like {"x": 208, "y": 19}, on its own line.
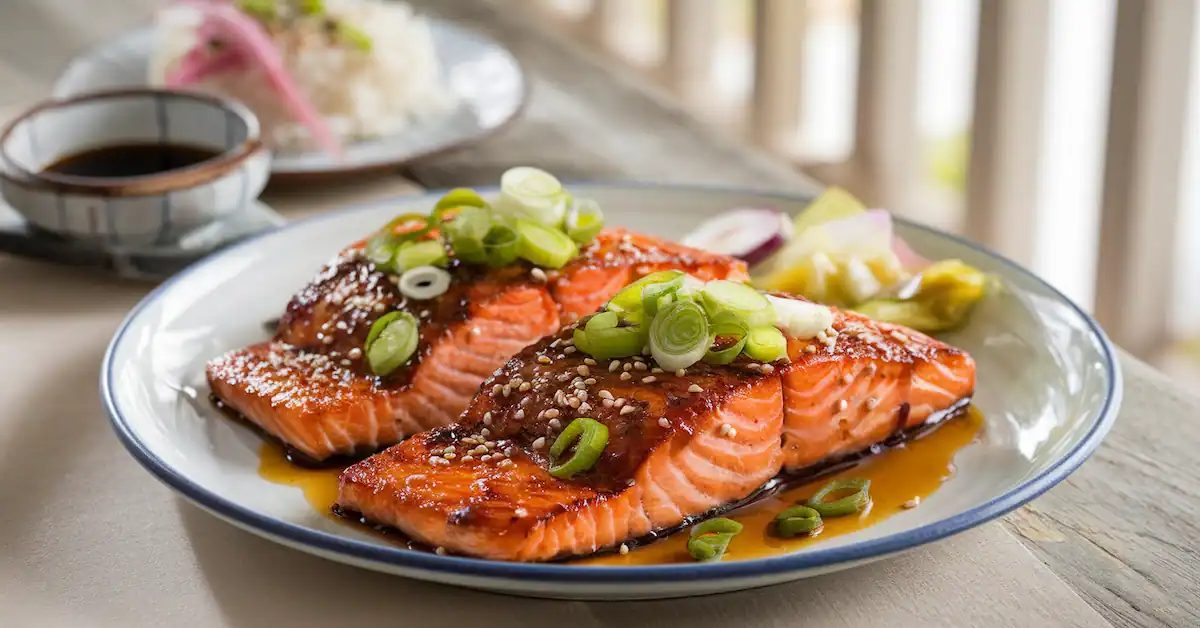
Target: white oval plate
{"x": 488, "y": 81}
{"x": 1048, "y": 386}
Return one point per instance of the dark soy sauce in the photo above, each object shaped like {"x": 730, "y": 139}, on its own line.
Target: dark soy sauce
{"x": 130, "y": 160}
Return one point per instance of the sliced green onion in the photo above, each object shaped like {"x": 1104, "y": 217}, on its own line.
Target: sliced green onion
{"x": 501, "y": 246}
{"x": 797, "y": 520}
{"x": 354, "y": 37}
{"x": 391, "y": 341}
{"x": 766, "y": 344}
{"x": 660, "y": 294}
{"x": 603, "y": 339}
{"x": 727, "y": 325}
{"x": 722, "y": 295}
{"x": 848, "y": 505}
{"x": 589, "y": 437}
{"x": 424, "y": 253}
{"x": 457, "y": 198}
{"x": 532, "y": 194}
{"x": 312, "y": 7}
{"x": 466, "y": 233}
{"x": 629, "y": 299}
{"x": 709, "y": 540}
{"x": 584, "y": 220}
{"x": 679, "y": 335}
{"x": 544, "y": 246}
{"x": 424, "y": 282}
{"x": 260, "y": 9}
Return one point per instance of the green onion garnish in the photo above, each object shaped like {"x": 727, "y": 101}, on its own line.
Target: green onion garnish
{"x": 312, "y": 7}
{"x": 629, "y": 299}
{"x": 423, "y": 253}
{"x": 727, "y": 325}
{"x": 544, "y": 246}
{"x": 589, "y": 437}
{"x": 259, "y": 9}
{"x": 660, "y": 294}
{"x": 603, "y": 339}
{"x": 848, "y": 505}
{"x": 797, "y": 520}
{"x": 391, "y": 341}
{"x": 679, "y": 335}
{"x": 381, "y": 248}
{"x": 354, "y": 37}
{"x": 722, "y": 295}
{"x": 709, "y": 540}
{"x": 532, "y": 194}
{"x": 584, "y": 220}
{"x": 466, "y": 233}
{"x": 456, "y": 198}
{"x": 766, "y": 344}
{"x": 502, "y": 245}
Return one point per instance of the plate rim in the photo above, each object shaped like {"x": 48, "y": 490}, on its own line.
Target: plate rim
{"x": 314, "y": 175}
{"x": 797, "y": 562}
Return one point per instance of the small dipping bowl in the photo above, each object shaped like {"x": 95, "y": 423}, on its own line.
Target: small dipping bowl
{"x": 151, "y": 210}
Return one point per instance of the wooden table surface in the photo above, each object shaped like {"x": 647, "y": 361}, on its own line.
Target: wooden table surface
{"x": 1123, "y": 532}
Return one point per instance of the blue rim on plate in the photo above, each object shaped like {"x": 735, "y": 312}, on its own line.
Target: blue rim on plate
{"x": 455, "y": 565}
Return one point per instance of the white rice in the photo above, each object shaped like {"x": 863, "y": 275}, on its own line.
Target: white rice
{"x": 361, "y": 94}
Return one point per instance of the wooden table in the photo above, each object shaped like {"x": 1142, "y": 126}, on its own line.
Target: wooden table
{"x": 1123, "y": 533}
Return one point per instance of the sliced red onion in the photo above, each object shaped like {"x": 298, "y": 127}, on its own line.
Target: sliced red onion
{"x": 749, "y": 234}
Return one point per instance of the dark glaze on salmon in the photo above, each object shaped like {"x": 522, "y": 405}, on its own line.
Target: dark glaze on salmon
{"x": 679, "y": 444}
{"x": 311, "y": 387}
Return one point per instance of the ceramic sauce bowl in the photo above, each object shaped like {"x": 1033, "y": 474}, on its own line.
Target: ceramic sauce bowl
{"x": 155, "y": 208}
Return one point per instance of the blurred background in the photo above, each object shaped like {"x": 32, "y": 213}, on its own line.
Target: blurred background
{"x": 1064, "y": 133}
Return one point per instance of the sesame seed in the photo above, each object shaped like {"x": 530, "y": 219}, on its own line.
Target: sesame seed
{"x": 496, "y": 389}
{"x": 590, "y": 381}
{"x": 539, "y": 442}
{"x": 440, "y": 551}
{"x": 768, "y": 369}
{"x": 543, "y": 359}
{"x": 554, "y": 423}
{"x": 754, "y": 366}
{"x": 485, "y": 457}
{"x": 649, "y": 379}
{"x": 538, "y": 275}
{"x": 607, "y": 403}
{"x": 810, "y": 349}
{"x": 449, "y": 456}
{"x": 845, "y": 379}
{"x": 626, "y": 376}
{"x": 680, "y": 372}
{"x": 641, "y": 366}
{"x": 619, "y": 401}
{"x": 485, "y": 432}
{"x": 354, "y": 353}
{"x": 490, "y": 444}
{"x": 582, "y": 395}
{"x": 487, "y": 418}
{"x": 624, "y": 549}
{"x": 842, "y": 404}
{"x": 695, "y": 388}
{"x": 506, "y": 463}
{"x": 569, "y": 350}
{"x": 468, "y": 458}
{"x": 573, "y": 402}
{"x": 664, "y": 423}
{"x": 585, "y": 407}
{"x": 480, "y": 450}
{"x": 872, "y": 403}
{"x": 604, "y": 394}
{"x": 521, "y": 512}
{"x": 614, "y": 365}
{"x": 589, "y": 362}
{"x": 583, "y": 370}
{"x": 449, "y": 449}
{"x": 656, "y": 370}
{"x": 379, "y": 307}
{"x": 899, "y": 335}
{"x": 570, "y": 341}
{"x": 327, "y": 340}
{"x": 423, "y": 313}
{"x": 524, "y": 386}
{"x": 520, "y": 414}
{"x": 912, "y": 503}
{"x": 346, "y": 363}
{"x": 627, "y": 367}
{"x": 507, "y": 390}
{"x": 627, "y": 409}
{"x": 580, "y": 385}
{"x": 727, "y": 430}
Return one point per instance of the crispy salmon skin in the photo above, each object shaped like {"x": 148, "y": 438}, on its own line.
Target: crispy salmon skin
{"x": 310, "y": 385}
{"x": 680, "y": 443}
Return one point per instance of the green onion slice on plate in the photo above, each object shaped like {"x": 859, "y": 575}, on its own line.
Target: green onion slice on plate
{"x": 728, "y": 327}
{"x": 423, "y": 253}
{"x": 544, "y": 246}
{"x": 766, "y": 344}
{"x": 589, "y": 438}
{"x": 853, "y": 503}
{"x": 391, "y": 341}
{"x": 533, "y": 194}
{"x": 797, "y": 520}
{"x": 584, "y": 220}
{"x": 629, "y": 299}
{"x": 709, "y": 540}
{"x": 679, "y": 335}
{"x": 604, "y": 339}
{"x": 723, "y": 295}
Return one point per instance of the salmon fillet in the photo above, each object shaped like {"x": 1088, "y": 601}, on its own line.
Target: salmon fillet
{"x": 679, "y": 445}
{"x": 310, "y": 385}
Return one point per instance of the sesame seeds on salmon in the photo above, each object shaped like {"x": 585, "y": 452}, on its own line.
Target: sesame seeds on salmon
{"x": 310, "y": 385}
{"x": 680, "y": 443}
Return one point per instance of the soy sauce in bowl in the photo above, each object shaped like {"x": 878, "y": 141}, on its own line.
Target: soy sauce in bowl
{"x": 130, "y": 160}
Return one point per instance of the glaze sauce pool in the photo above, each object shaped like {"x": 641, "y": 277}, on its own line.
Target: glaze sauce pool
{"x": 130, "y": 160}
{"x": 908, "y": 472}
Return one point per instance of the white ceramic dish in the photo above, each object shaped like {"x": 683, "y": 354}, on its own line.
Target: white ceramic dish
{"x": 1049, "y": 388}
{"x": 151, "y": 210}
{"x": 487, "y": 80}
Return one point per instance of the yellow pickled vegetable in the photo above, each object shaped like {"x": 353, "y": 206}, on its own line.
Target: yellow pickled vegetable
{"x": 944, "y": 296}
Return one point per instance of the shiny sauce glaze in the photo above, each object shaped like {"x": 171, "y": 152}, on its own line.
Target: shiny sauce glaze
{"x": 902, "y": 475}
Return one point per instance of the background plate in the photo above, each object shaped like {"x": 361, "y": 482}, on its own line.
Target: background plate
{"x": 1048, "y": 386}
{"x": 487, "y": 79}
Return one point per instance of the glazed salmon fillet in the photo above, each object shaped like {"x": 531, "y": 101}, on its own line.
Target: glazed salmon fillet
{"x": 310, "y": 385}
{"x": 680, "y": 444}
